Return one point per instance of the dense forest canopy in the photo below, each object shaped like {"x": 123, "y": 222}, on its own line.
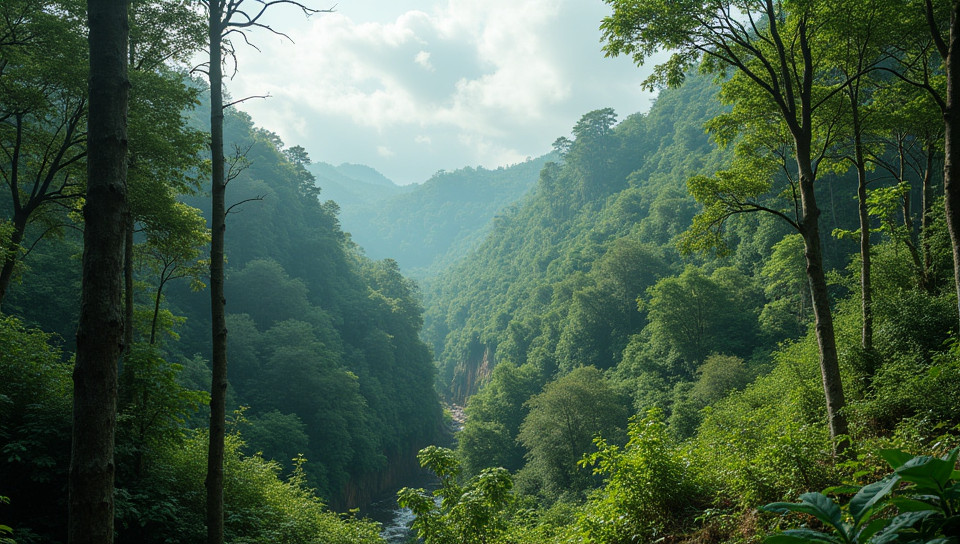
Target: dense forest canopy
{"x": 745, "y": 295}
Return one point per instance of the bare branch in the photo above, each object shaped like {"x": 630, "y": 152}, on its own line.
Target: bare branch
{"x": 235, "y": 102}
{"x": 232, "y": 206}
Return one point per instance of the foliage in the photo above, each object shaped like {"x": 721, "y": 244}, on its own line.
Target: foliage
{"x": 493, "y": 418}
{"x": 35, "y": 407}
{"x": 260, "y": 506}
{"x": 768, "y": 441}
{"x": 560, "y": 428}
{"x": 926, "y": 507}
{"x": 695, "y": 314}
{"x": 471, "y": 513}
{"x": 649, "y": 488}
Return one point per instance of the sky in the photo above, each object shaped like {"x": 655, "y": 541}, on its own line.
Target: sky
{"x": 414, "y": 87}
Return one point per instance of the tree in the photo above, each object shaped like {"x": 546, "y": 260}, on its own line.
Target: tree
{"x": 696, "y": 315}
{"x": 100, "y": 330}
{"x": 43, "y": 125}
{"x": 943, "y": 24}
{"x": 226, "y": 17}
{"x": 468, "y": 513}
{"x": 858, "y": 46}
{"x": 171, "y": 250}
{"x": 774, "y": 50}
{"x": 561, "y": 426}
{"x": 494, "y": 415}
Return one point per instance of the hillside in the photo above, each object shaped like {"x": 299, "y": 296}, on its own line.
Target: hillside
{"x": 353, "y": 186}
{"x": 423, "y": 227}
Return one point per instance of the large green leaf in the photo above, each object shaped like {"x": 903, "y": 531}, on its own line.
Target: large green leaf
{"x": 906, "y": 520}
{"x": 797, "y": 536}
{"x": 861, "y": 505}
{"x": 905, "y": 504}
{"x": 895, "y": 458}
{"x": 927, "y": 472}
{"x": 817, "y": 505}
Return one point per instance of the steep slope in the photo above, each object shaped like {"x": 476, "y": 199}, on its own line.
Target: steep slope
{"x": 353, "y": 186}
{"x": 556, "y": 282}
{"x": 427, "y": 226}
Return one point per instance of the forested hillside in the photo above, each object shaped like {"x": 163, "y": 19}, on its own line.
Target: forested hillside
{"x": 353, "y": 185}
{"x": 669, "y": 329}
{"x": 330, "y": 387}
{"x": 557, "y": 282}
{"x": 426, "y": 227}
{"x": 637, "y": 346}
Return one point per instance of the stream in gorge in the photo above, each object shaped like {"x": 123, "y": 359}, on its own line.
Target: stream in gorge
{"x": 395, "y": 520}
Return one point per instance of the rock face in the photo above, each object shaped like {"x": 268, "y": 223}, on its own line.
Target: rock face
{"x": 399, "y": 471}
{"x": 471, "y": 373}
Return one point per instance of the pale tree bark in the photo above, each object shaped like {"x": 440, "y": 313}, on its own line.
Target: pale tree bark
{"x": 949, "y": 50}
{"x": 100, "y": 330}
{"x": 951, "y": 143}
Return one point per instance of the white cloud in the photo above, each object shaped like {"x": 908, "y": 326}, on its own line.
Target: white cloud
{"x": 490, "y": 82}
{"x": 423, "y": 59}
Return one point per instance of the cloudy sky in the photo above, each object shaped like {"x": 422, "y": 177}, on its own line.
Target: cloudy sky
{"x": 412, "y": 87}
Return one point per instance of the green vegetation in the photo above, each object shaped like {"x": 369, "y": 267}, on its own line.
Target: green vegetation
{"x": 721, "y": 354}
{"x": 429, "y": 226}
{"x": 649, "y": 333}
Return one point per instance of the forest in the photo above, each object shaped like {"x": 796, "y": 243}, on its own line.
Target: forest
{"x": 731, "y": 318}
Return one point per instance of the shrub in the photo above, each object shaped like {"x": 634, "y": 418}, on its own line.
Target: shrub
{"x": 648, "y": 488}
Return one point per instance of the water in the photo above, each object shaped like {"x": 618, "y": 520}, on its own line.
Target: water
{"x": 396, "y": 521}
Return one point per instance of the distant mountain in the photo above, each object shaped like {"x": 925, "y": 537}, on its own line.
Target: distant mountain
{"x": 366, "y": 174}
{"x": 423, "y": 226}
{"x": 351, "y": 185}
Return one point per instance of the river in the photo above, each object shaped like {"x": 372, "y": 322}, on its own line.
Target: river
{"x": 395, "y": 520}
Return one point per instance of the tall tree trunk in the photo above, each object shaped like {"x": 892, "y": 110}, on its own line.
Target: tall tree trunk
{"x": 820, "y": 298}
{"x": 218, "y": 387}
{"x": 156, "y": 312}
{"x": 951, "y": 146}
{"x": 926, "y": 196}
{"x": 100, "y": 329}
{"x": 866, "y": 290}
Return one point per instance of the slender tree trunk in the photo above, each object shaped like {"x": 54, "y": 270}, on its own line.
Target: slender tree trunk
{"x": 925, "y": 197}
{"x": 951, "y": 146}
{"x": 156, "y": 313}
{"x": 866, "y": 291}
{"x": 128, "y": 244}
{"x": 218, "y": 387}
{"x": 100, "y": 330}
{"x": 820, "y": 298}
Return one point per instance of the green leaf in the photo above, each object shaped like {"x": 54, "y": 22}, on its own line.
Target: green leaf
{"x": 861, "y": 505}
{"x": 926, "y": 471}
{"x": 872, "y": 528}
{"x": 895, "y": 458}
{"x": 905, "y": 504}
{"x": 906, "y": 520}
{"x": 795, "y": 536}
{"x": 815, "y": 504}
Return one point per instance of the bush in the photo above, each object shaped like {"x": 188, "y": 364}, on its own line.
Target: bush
{"x": 648, "y": 486}
{"x": 259, "y": 505}
{"x": 770, "y": 441}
